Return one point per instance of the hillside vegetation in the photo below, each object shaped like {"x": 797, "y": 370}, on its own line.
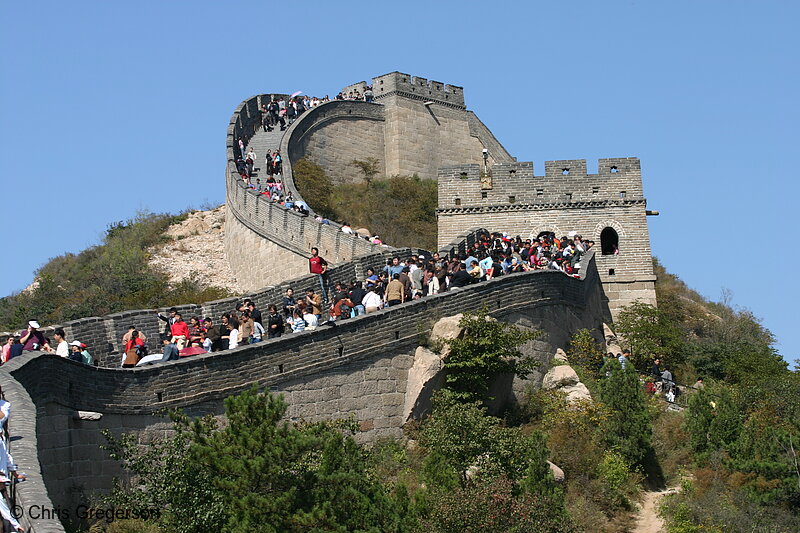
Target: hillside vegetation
{"x": 110, "y": 277}
{"x": 400, "y": 209}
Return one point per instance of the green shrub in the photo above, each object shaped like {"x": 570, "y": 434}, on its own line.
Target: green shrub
{"x": 314, "y": 186}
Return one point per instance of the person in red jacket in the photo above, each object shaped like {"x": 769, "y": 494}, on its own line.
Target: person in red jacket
{"x": 317, "y": 265}
{"x": 180, "y": 331}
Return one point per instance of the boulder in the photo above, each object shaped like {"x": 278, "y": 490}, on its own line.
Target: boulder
{"x": 558, "y": 474}
{"x": 560, "y": 356}
{"x": 560, "y": 376}
{"x": 577, "y": 393}
{"x": 446, "y": 329}
{"x": 364, "y": 232}
{"x": 424, "y": 377}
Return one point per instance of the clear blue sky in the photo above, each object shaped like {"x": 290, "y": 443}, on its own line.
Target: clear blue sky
{"x": 113, "y": 107}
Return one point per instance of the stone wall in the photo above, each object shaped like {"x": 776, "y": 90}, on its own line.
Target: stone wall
{"x": 357, "y": 368}
{"x": 334, "y": 134}
{"x": 566, "y": 198}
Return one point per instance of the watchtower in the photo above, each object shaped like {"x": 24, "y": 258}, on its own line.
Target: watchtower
{"x": 608, "y": 207}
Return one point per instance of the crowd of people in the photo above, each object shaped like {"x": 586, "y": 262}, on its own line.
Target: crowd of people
{"x": 402, "y": 279}
{"x": 33, "y": 339}
{"x": 356, "y": 95}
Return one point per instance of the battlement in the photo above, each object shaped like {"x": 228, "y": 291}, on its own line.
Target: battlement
{"x": 564, "y": 181}
{"x": 417, "y": 87}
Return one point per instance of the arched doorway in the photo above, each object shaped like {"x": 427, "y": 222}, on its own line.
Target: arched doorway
{"x": 609, "y": 241}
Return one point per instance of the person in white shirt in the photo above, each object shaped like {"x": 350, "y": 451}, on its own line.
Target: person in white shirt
{"x": 258, "y": 332}
{"x": 62, "y": 347}
{"x": 233, "y": 336}
{"x": 346, "y": 228}
{"x": 371, "y": 302}
{"x": 311, "y": 320}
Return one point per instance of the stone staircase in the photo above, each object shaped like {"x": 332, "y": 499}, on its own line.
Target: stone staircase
{"x": 262, "y": 142}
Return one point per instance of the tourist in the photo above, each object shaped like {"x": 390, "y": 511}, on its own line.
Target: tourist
{"x": 62, "y": 347}
{"x": 233, "y": 332}
{"x": 15, "y": 350}
{"x": 208, "y": 344}
{"x": 213, "y": 335}
{"x": 655, "y": 373}
{"x": 134, "y": 350}
{"x": 258, "y": 332}
{"x": 289, "y": 303}
{"x": 224, "y": 329}
{"x": 246, "y": 327}
{"x": 7, "y": 349}
{"x": 318, "y": 266}
{"x": 275, "y": 327}
{"x": 255, "y": 314}
{"x": 395, "y": 291}
{"x": 356, "y": 295}
{"x": 171, "y": 351}
{"x": 623, "y": 359}
{"x": 131, "y": 329}
{"x": 314, "y": 301}
{"x": 311, "y": 320}
{"x": 180, "y": 331}
{"x": 372, "y": 301}
{"x": 298, "y": 323}
{"x": 195, "y": 331}
{"x": 166, "y": 327}
{"x": 80, "y": 354}
{"x": 32, "y": 339}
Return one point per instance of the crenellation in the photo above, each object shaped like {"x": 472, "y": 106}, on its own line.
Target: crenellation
{"x": 417, "y": 87}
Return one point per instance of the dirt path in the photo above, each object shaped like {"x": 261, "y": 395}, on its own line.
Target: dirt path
{"x": 647, "y": 520}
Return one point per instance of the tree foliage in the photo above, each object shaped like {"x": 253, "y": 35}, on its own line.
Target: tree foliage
{"x": 487, "y": 348}
{"x": 370, "y": 167}
{"x": 584, "y": 350}
{"x": 627, "y": 428}
{"x": 261, "y": 473}
{"x": 314, "y": 186}
{"x": 651, "y": 333}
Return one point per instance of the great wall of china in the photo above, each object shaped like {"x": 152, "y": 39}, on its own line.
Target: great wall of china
{"x": 360, "y": 367}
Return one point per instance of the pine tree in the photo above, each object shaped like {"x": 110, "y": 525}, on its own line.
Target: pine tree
{"x": 628, "y": 429}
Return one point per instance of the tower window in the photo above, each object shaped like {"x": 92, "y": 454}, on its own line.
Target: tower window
{"x": 565, "y": 171}
{"x": 512, "y": 199}
{"x": 458, "y": 201}
{"x": 609, "y": 241}
{"x": 614, "y": 170}
{"x": 622, "y": 194}
{"x": 484, "y": 195}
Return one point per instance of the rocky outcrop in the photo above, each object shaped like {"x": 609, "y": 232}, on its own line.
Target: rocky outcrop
{"x": 446, "y": 329}
{"x": 424, "y": 377}
{"x": 558, "y": 474}
{"x": 563, "y": 378}
{"x": 195, "y": 251}
{"x": 427, "y": 372}
{"x": 560, "y": 376}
